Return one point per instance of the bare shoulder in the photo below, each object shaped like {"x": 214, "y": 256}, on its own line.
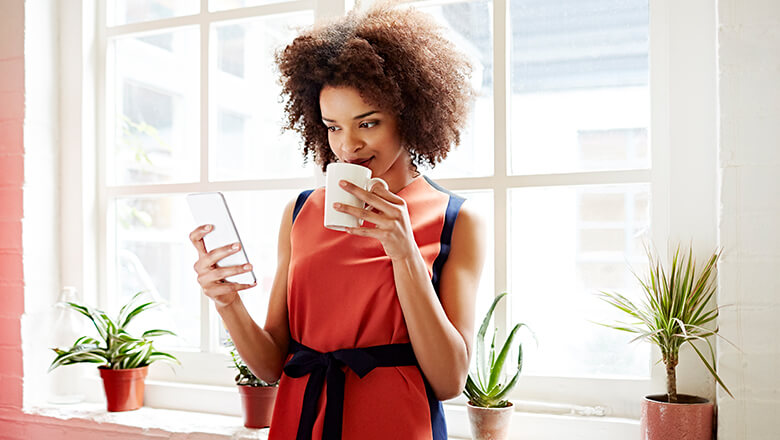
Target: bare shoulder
{"x": 287, "y": 216}
{"x": 469, "y": 229}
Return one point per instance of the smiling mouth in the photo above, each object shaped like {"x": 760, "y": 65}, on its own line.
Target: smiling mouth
{"x": 363, "y": 162}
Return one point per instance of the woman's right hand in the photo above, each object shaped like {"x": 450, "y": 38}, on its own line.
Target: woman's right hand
{"x": 212, "y": 277}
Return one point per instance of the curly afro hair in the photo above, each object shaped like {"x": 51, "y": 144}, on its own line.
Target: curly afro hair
{"x": 398, "y": 61}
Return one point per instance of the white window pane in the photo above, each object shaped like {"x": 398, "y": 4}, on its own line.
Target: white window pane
{"x": 153, "y": 254}
{"x": 132, "y": 11}
{"x": 469, "y": 25}
{"x": 258, "y": 215}
{"x": 157, "y": 110}
{"x": 245, "y": 113}
{"x": 566, "y": 245}
{"x": 579, "y": 80}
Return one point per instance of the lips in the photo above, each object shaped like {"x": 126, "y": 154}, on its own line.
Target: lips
{"x": 361, "y": 161}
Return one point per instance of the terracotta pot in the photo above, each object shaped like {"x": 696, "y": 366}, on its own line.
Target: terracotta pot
{"x": 490, "y": 423}
{"x": 257, "y": 404}
{"x": 124, "y": 388}
{"x": 689, "y": 419}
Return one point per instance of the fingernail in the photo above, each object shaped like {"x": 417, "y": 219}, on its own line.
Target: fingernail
{"x": 247, "y": 267}
{"x": 337, "y": 205}
{"x": 208, "y": 227}
{"x": 235, "y": 246}
{"x": 343, "y": 183}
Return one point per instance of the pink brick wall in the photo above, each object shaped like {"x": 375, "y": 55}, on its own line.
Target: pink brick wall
{"x": 11, "y": 180}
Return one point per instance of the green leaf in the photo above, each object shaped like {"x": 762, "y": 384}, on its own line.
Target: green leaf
{"x": 157, "y": 332}
{"x": 495, "y": 369}
{"x": 136, "y": 311}
{"x": 126, "y": 308}
{"x": 482, "y": 368}
{"x": 160, "y": 356}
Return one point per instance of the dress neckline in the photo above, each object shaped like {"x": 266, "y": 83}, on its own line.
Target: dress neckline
{"x": 409, "y": 185}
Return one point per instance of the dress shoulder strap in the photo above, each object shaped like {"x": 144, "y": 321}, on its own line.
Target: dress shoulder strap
{"x": 300, "y": 201}
{"x": 450, "y": 215}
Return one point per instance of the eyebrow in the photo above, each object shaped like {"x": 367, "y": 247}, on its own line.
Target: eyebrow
{"x": 356, "y": 117}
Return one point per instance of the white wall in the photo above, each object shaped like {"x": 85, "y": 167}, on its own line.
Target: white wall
{"x": 40, "y": 235}
{"x": 749, "y": 162}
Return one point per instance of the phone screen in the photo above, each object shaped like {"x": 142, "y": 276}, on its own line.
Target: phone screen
{"x": 211, "y": 208}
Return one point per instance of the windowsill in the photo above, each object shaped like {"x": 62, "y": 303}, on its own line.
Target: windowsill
{"x": 147, "y": 419}
{"x": 191, "y": 424}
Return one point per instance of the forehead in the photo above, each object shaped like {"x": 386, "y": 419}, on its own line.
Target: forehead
{"x": 342, "y": 102}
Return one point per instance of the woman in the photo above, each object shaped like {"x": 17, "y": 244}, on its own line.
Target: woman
{"x": 371, "y": 329}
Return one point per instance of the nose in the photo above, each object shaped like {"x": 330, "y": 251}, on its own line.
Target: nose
{"x": 351, "y": 143}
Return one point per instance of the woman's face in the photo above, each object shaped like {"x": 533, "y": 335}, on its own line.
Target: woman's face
{"x": 363, "y": 134}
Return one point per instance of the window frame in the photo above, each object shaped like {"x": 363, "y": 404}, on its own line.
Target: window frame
{"x": 83, "y": 247}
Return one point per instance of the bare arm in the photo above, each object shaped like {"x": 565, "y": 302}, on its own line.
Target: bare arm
{"x": 263, "y": 349}
{"x": 441, "y": 329}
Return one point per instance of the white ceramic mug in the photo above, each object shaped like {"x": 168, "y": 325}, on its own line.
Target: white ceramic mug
{"x": 356, "y": 174}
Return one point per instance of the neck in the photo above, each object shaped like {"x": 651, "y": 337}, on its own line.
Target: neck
{"x": 399, "y": 175}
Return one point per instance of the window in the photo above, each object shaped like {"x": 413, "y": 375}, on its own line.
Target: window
{"x": 568, "y": 177}
{"x": 556, "y": 155}
{"x": 579, "y": 113}
{"x": 191, "y": 104}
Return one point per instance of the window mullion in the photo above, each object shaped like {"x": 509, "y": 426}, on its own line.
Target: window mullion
{"x": 501, "y": 91}
{"x": 106, "y": 274}
{"x": 206, "y": 335}
{"x": 204, "y": 97}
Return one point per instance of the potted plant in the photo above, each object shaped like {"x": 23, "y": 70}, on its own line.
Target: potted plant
{"x": 674, "y": 310}
{"x": 489, "y": 412}
{"x": 125, "y": 359}
{"x": 257, "y": 395}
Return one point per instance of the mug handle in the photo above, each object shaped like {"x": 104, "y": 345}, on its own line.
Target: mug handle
{"x": 370, "y": 186}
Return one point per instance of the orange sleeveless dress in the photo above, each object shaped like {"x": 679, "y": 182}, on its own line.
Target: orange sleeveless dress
{"x": 341, "y": 299}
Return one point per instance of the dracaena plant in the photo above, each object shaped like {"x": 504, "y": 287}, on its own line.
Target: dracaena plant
{"x": 674, "y": 309}
{"x": 245, "y": 375}
{"x": 484, "y": 387}
{"x": 116, "y": 349}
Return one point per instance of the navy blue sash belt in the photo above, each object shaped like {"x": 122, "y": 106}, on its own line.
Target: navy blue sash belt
{"x": 322, "y": 366}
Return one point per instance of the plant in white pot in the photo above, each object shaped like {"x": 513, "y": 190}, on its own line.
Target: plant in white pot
{"x": 124, "y": 359}
{"x": 257, "y": 396}
{"x": 489, "y": 411}
{"x": 674, "y": 310}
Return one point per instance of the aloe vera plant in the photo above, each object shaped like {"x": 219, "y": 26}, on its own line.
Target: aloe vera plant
{"x": 118, "y": 349}
{"x": 483, "y": 388}
{"x": 673, "y": 311}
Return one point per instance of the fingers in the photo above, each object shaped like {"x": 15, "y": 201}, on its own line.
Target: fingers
{"x": 385, "y": 193}
{"x": 380, "y": 198}
{"x": 365, "y": 214}
{"x": 209, "y": 260}
{"x": 224, "y": 288}
{"x": 213, "y": 257}
{"x": 196, "y": 237}
{"x": 224, "y": 294}
{"x": 216, "y": 275}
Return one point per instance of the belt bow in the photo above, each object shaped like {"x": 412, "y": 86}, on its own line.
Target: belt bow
{"x": 327, "y": 366}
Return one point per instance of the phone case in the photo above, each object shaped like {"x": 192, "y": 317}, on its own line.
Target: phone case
{"x": 211, "y": 208}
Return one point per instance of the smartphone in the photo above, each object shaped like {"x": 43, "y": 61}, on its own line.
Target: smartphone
{"x": 210, "y": 208}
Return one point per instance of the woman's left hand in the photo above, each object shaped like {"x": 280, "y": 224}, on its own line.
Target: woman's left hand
{"x": 390, "y": 215}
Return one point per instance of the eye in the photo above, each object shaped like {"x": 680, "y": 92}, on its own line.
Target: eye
{"x": 368, "y": 124}
{"x": 332, "y": 128}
